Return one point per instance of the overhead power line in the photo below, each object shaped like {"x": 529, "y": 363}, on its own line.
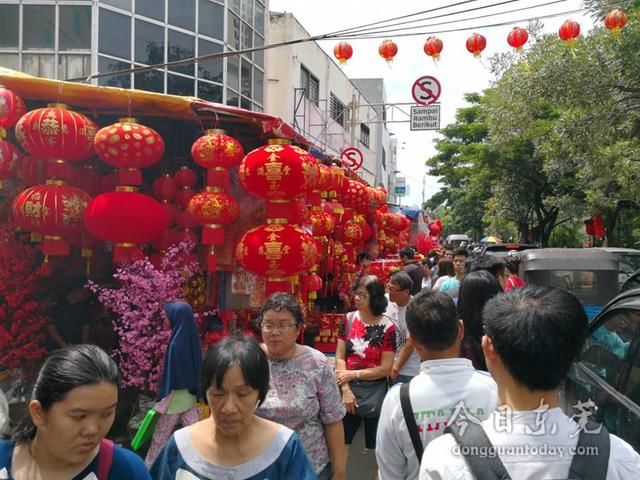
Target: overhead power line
{"x": 363, "y": 34}
{"x": 323, "y": 37}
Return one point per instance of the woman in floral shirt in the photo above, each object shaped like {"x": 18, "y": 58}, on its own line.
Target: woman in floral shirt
{"x": 303, "y": 394}
{"x": 365, "y": 352}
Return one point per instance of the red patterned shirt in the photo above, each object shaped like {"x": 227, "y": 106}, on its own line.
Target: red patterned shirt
{"x": 367, "y": 342}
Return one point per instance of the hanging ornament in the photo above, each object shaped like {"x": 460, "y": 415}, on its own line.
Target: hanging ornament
{"x": 126, "y": 219}
{"x": 129, "y": 146}
{"x": 343, "y": 52}
{"x": 11, "y": 109}
{"x": 59, "y": 135}
{"x": 217, "y": 152}
{"x": 9, "y": 158}
{"x": 517, "y": 38}
{"x": 387, "y": 50}
{"x": 476, "y": 43}
{"x": 615, "y": 21}
{"x": 569, "y": 32}
{"x": 433, "y": 47}
{"x": 54, "y": 210}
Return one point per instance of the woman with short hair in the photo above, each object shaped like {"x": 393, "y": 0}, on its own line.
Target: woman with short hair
{"x": 234, "y": 442}
{"x": 72, "y": 407}
{"x": 303, "y": 394}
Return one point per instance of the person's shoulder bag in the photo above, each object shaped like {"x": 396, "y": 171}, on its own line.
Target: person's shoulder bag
{"x": 369, "y": 393}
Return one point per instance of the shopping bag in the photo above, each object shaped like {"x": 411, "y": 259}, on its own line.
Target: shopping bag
{"x": 145, "y": 432}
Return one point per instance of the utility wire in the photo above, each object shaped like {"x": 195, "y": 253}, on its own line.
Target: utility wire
{"x": 333, "y": 36}
{"x": 464, "y": 29}
{"x": 363, "y": 33}
{"x": 357, "y": 30}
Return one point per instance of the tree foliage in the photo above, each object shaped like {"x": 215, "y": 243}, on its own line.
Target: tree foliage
{"x": 560, "y": 139}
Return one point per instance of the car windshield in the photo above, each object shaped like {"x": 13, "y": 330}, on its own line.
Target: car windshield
{"x": 629, "y": 263}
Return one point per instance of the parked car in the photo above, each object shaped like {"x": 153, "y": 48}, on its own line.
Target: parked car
{"x": 503, "y": 249}
{"x": 629, "y": 261}
{"x": 456, "y": 240}
{"x": 590, "y": 274}
{"x": 607, "y": 372}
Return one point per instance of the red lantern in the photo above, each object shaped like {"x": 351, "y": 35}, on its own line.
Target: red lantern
{"x": 184, "y": 196}
{"x": 569, "y": 32}
{"x": 165, "y": 188}
{"x": 322, "y": 224}
{"x": 517, "y": 38}
{"x": 87, "y": 179}
{"x": 476, "y": 43}
{"x": 277, "y": 252}
{"x": 53, "y": 210}
{"x": 387, "y": 50}
{"x": 56, "y": 133}
{"x": 615, "y": 21}
{"x": 213, "y": 210}
{"x": 343, "y": 52}
{"x": 166, "y": 240}
{"x": 129, "y": 146}
{"x": 170, "y": 208}
{"x": 11, "y": 109}
{"x": 352, "y": 196}
{"x": 126, "y": 219}
{"x": 217, "y": 151}
{"x": 433, "y": 47}
{"x": 9, "y": 158}
{"x": 185, "y": 220}
{"x": 313, "y": 284}
{"x": 350, "y": 233}
{"x": 185, "y": 177}
{"x": 279, "y": 172}
{"x": 32, "y": 171}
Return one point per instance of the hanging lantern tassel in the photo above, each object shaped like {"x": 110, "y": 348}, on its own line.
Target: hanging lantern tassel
{"x": 88, "y": 254}
{"x": 212, "y": 262}
{"x": 55, "y": 245}
{"x": 45, "y": 268}
{"x": 126, "y": 252}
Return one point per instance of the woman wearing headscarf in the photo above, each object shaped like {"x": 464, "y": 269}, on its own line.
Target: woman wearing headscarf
{"x": 180, "y": 376}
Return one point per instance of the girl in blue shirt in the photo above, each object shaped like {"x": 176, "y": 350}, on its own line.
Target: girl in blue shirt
{"x": 71, "y": 410}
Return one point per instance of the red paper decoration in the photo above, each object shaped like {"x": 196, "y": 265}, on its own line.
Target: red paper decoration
{"x": 569, "y": 32}
{"x": 126, "y": 219}
{"x": 217, "y": 151}
{"x": 276, "y": 252}
{"x": 343, "y": 52}
{"x": 517, "y": 38}
{"x": 9, "y": 158}
{"x": 615, "y": 21}
{"x": 32, "y": 171}
{"x": 322, "y": 224}
{"x": 53, "y": 210}
{"x": 476, "y": 43}
{"x": 213, "y": 210}
{"x": 433, "y": 47}
{"x": 165, "y": 188}
{"x": 11, "y": 109}
{"x": 129, "y": 146}
{"x": 387, "y": 50}
{"x": 56, "y": 133}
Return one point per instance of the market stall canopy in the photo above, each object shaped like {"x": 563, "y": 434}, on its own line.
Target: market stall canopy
{"x": 117, "y": 101}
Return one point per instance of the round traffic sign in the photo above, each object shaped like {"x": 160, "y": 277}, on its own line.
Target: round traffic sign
{"x": 426, "y": 90}
{"x": 352, "y": 158}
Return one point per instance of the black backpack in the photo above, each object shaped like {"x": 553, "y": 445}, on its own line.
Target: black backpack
{"x": 583, "y": 467}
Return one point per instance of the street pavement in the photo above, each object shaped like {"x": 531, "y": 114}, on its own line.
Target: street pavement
{"x": 361, "y": 465}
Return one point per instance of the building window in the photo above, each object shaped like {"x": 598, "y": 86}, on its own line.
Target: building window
{"x": 9, "y": 26}
{"x": 209, "y": 91}
{"x": 115, "y": 34}
{"x": 109, "y": 65}
{"x": 75, "y": 28}
{"x": 38, "y": 28}
{"x": 310, "y": 84}
{"x": 210, "y": 69}
{"x": 211, "y": 19}
{"x": 149, "y": 47}
{"x": 151, "y": 8}
{"x": 364, "y": 135}
{"x": 339, "y": 112}
{"x": 183, "y": 14}
{"x": 181, "y": 46}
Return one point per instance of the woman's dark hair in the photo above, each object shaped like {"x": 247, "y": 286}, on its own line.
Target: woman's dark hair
{"x": 362, "y": 256}
{"x": 243, "y": 351}
{"x": 445, "y": 267}
{"x": 283, "y": 301}
{"x": 374, "y": 287}
{"x": 512, "y": 265}
{"x": 476, "y": 290}
{"x": 64, "y": 370}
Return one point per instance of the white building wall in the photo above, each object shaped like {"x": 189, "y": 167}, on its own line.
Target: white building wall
{"x": 283, "y": 66}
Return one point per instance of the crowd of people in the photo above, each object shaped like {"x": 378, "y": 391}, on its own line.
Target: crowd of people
{"x": 452, "y": 366}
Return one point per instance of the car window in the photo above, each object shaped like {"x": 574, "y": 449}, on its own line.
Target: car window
{"x": 607, "y": 347}
{"x": 631, "y": 283}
